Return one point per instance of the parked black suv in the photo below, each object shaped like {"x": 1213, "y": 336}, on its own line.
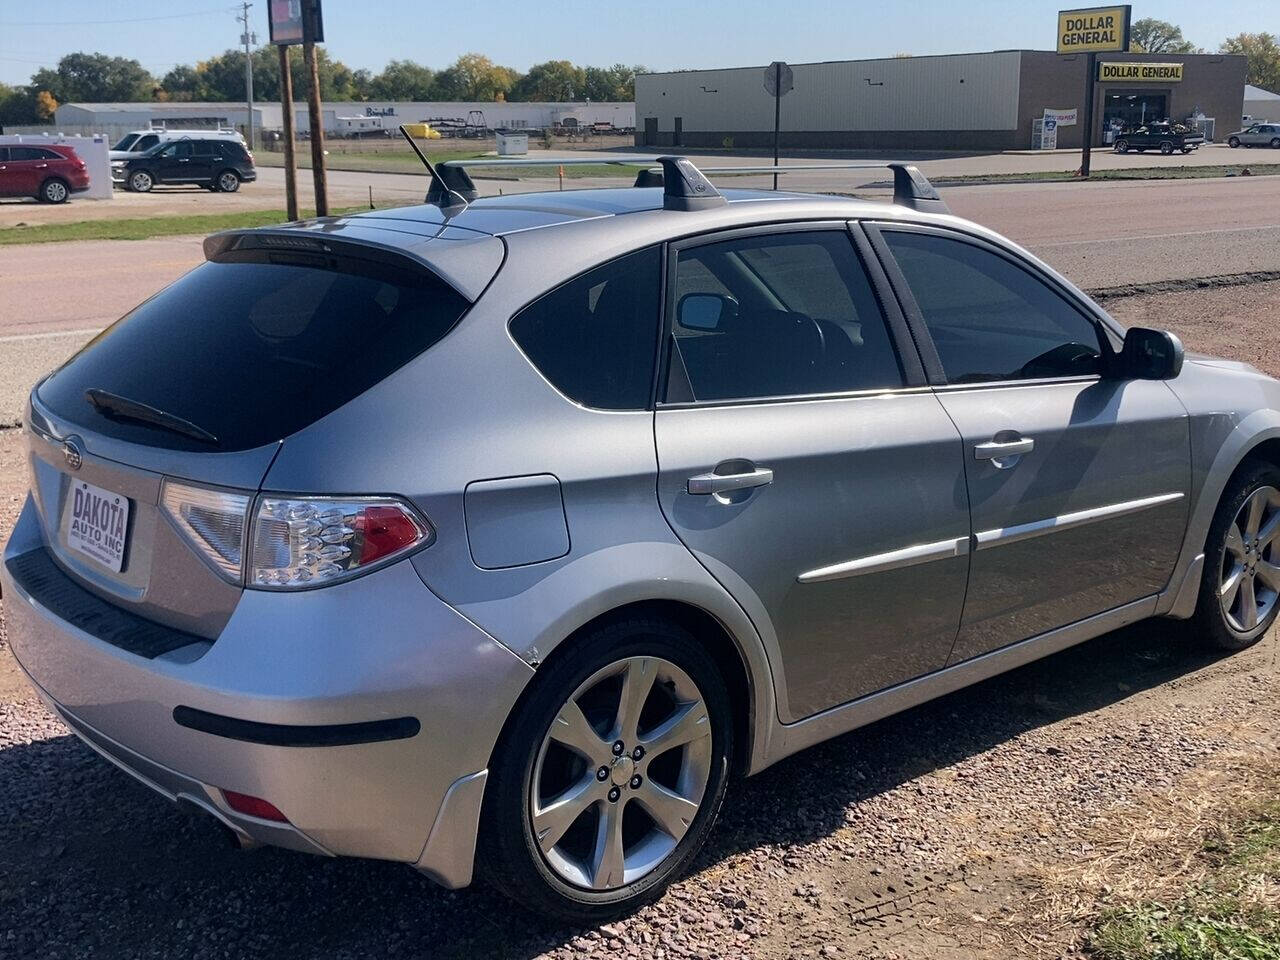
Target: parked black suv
{"x": 216, "y": 164}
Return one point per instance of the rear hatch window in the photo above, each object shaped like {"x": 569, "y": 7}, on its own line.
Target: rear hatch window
{"x": 251, "y": 352}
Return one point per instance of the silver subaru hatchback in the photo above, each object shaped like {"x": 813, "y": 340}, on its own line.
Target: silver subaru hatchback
{"x": 494, "y": 536}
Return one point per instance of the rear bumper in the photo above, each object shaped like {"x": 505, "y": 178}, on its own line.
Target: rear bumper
{"x": 360, "y": 658}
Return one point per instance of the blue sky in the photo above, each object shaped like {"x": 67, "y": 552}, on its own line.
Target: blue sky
{"x": 661, "y": 35}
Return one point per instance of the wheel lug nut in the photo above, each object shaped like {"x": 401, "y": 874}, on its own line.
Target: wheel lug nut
{"x": 636, "y": 781}
{"x": 618, "y": 747}
{"x": 602, "y": 774}
{"x": 614, "y": 794}
{"x": 637, "y": 753}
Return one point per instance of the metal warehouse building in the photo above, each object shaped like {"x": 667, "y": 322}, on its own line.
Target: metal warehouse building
{"x": 967, "y": 101}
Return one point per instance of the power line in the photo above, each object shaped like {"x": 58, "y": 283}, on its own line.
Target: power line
{"x": 98, "y": 23}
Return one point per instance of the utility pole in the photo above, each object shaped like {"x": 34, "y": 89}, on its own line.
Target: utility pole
{"x": 316, "y": 122}
{"x": 290, "y": 162}
{"x": 248, "y": 38}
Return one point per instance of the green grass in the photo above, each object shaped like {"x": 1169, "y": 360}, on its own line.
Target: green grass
{"x": 1233, "y": 914}
{"x": 403, "y": 161}
{"x": 146, "y": 228}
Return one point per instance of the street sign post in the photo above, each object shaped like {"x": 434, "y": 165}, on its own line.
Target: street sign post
{"x": 1090, "y": 31}
{"x": 778, "y": 82}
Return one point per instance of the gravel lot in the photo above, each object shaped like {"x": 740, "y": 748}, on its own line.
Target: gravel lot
{"x": 952, "y": 831}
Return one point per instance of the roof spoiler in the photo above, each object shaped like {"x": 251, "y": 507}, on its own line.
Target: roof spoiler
{"x": 684, "y": 185}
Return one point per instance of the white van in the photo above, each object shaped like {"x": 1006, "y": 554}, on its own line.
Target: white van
{"x": 137, "y": 141}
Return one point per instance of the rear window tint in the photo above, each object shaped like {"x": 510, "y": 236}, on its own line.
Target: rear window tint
{"x": 252, "y": 352}
{"x": 595, "y": 337}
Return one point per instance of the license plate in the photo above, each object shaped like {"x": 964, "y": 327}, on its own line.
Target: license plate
{"x": 98, "y": 523}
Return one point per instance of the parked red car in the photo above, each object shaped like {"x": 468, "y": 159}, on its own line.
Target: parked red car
{"x": 48, "y": 173}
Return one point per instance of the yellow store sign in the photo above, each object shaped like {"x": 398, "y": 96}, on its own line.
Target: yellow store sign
{"x": 1094, "y": 30}
{"x": 1140, "y": 72}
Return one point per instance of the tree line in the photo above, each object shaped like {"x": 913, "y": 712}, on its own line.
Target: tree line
{"x": 98, "y": 78}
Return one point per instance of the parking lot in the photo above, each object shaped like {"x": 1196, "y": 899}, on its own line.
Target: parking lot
{"x": 995, "y": 821}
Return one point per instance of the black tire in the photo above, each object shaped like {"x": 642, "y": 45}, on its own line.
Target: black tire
{"x": 54, "y": 190}
{"x": 1187, "y": 149}
{"x": 508, "y": 856}
{"x": 141, "y": 181}
{"x": 227, "y": 181}
{"x": 1275, "y": 143}
{"x": 1233, "y": 142}
{"x": 1122, "y": 146}
{"x": 1210, "y": 621}
{"x": 1166, "y": 147}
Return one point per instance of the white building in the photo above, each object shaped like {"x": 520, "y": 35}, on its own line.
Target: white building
{"x": 113, "y": 117}
{"x": 1261, "y": 104}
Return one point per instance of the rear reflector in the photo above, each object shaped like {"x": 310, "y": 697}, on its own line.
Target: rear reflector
{"x": 253, "y": 806}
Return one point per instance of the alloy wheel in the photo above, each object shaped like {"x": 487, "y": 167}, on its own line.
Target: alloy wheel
{"x": 140, "y": 181}
{"x": 1249, "y": 583}
{"x": 228, "y": 182}
{"x": 621, "y": 773}
{"x": 55, "y": 191}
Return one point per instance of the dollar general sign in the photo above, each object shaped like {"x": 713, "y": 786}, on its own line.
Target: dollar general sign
{"x": 1140, "y": 72}
{"x": 1093, "y": 30}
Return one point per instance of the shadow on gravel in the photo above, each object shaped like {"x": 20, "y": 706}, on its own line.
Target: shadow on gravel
{"x": 93, "y": 864}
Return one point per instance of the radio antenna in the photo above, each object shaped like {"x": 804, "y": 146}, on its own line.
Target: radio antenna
{"x": 439, "y": 192}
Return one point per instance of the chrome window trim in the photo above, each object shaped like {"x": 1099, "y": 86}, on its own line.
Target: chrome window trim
{"x": 1005, "y": 384}
{"x": 891, "y": 560}
{"x": 985, "y": 539}
{"x": 796, "y": 398}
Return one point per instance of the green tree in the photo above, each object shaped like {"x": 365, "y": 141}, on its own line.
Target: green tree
{"x": 182, "y": 83}
{"x": 1262, "y": 51}
{"x": 222, "y": 77}
{"x": 613, "y": 84}
{"x": 16, "y": 105}
{"x": 554, "y": 80}
{"x": 1159, "y": 36}
{"x": 94, "y": 78}
{"x": 402, "y": 80}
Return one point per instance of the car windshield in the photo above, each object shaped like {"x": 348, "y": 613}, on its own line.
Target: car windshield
{"x": 128, "y": 141}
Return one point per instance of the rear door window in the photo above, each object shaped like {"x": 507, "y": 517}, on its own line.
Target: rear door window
{"x": 252, "y": 352}
{"x": 780, "y": 315}
{"x": 595, "y": 337}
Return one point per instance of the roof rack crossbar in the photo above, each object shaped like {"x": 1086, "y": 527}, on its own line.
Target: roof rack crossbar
{"x": 685, "y": 185}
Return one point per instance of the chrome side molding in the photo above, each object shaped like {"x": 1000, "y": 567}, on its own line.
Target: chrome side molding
{"x": 985, "y": 539}
{"x": 879, "y": 562}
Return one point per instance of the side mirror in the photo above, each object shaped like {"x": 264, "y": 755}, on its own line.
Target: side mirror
{"x": 705, "y": 311}
{"x": 1150, "y": 355}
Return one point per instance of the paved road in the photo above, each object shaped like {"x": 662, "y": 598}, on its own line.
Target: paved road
{"x": 1100, "y": 234}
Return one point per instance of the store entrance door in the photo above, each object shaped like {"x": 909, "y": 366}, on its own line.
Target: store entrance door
{"x": 1130, "y": 109}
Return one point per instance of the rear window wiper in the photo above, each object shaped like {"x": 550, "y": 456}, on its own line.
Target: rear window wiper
{"x": 122, "y": 408}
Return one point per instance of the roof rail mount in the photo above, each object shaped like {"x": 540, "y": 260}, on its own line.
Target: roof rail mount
{"x": 685, "y": 188}
{"x": 912, "y": 189}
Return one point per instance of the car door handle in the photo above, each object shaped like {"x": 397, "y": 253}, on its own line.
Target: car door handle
{"x": 41, "y": 166}
{"x": 708, "y": 483}
{"x": 184, "y": 160}
{"x": 999, "y": 449}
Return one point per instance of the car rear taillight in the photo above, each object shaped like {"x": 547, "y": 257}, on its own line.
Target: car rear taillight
{"x": 212, "y": 521}
{"x": 303, "y": 541}
{"x": 287, "y": 543}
